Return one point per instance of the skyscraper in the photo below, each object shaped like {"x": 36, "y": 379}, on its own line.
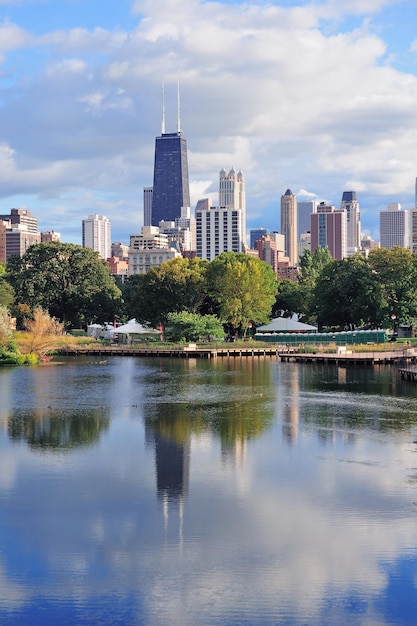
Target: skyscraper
{"x": 255, "y": 234}
{"x": 97, "y": 235}
{"x": 393, "y": 226}
{"x": 413, "y": 230}
{"x": 353, "y": 223}
{"x": 304, "y": 210}
{"x": 222, "y": 228}
{"x": 328, "y": 228}
{"x": 171, "y": 188}
{"x": 232, "y": 194}
{"x": 289, "y": 225}
{"x": 147, "y": 205}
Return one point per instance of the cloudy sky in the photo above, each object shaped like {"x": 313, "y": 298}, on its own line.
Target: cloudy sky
{"x": 319, "y": 97}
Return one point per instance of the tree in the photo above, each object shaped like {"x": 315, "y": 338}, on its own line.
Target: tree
{"x": 396, "y": 271}
{"x": 244, "y": 288}
{"x": 5, "y": 329}
{"x": 44, "y": 331}
{"x": 347, "y": 294}
{"x": 311, "y": 266}
{"x": 289, "y": 299}
{"x": 176, "y": 285}
{"x": 185, "y": 326}
{"x": 68, "y": 281}
{"x": 6, "y": 292}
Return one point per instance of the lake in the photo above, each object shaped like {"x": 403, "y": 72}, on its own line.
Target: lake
{"x": 192, "y": 492}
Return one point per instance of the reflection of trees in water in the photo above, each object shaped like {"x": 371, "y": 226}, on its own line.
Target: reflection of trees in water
{"x": 57, "y": 429}
{"x": 244, "y": 419}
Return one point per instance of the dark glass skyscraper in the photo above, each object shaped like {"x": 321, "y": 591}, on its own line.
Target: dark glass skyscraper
{"x": 171, "y": 188}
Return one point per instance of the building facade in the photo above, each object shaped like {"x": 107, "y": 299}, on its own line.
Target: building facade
{"x": 353, "y": 222}
{"x": 18, "y": 231}
{"x": 304, "y": 210}
{"x": 329, "y": 228}
{"x": 147, "y": 205}
{"x": 50, "y": 236}
{"x": 222, "y": 228}
{"x": 394, "y": 227}
{"x": 413, "y": 230}
{"x": 289, "y": 226}
{"x": 149, "y": 249}
{"x": 171, "y": 188}
{"x": 96, "y": 234}
{"x": 232, "y": 193}
{"x": 255, "y": 234}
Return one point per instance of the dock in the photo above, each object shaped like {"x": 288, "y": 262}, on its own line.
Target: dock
{"x": 408, "y": 373}
{"x": 277, "y": 352}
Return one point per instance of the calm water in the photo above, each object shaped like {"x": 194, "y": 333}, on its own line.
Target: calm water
{"x": 235, "y": 492}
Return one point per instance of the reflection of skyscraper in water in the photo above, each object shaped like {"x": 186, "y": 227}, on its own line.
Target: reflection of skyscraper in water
{"x": 172, "y": 462}
{"x": 235, "y": 450}
{"x": 172, "y": 468}
{"x": 290, "y": 416}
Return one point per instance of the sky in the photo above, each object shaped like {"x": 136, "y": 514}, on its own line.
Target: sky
{"x": 318, "y": 97}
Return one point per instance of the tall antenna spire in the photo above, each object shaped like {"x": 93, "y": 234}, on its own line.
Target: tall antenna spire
{"x": 178, "y": 101}
{"x": 163, "y": 110}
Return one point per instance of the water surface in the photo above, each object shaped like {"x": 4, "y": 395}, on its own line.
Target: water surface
{"x": 236, "y": 491}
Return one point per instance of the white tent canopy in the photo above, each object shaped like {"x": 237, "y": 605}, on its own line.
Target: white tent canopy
{"x": 285, "y": 325}
{"x": 134, "y": 328}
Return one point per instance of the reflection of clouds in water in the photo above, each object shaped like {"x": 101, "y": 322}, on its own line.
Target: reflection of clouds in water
{"x": 12, "y": 595}
{"x": 270, "y": 539}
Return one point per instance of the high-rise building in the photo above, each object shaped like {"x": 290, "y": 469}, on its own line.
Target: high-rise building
{"x": 147, "y": 205}
{"x": 149, "y": 249}
{"x": 232, "y": 194}
{"x": 393, "y": 227}
{"x": 329, "y": 228}
{"x": 19, "y": 231}
{"x": 50, "y": 236}
{"x": 413, "y": 230}
{"x": 351, "y": 205}
{"x": 222, "y": 228}
{"x": 289, "y": 225}
{"x": 96, "y": 234}
{"x": 255, "y": 234}
{"x": 171, "y": 188}
{"x": 304, "y": 210}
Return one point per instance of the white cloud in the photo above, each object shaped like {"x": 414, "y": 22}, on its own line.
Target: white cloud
{"x": 270, "y": 90}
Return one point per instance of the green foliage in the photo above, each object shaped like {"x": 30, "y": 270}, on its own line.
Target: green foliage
{"x": 185, "y": 326}
{"x": 348, "y": 295}
{"x": 289, "y": 299}
{"x": 396, "y": 271}
{"x": 311, "y": 266}
{"x": 244, "y": 288}
{"x": 68, "y": 281}
{"x": 6, "y": 292}
{"x": 177, "y": 285}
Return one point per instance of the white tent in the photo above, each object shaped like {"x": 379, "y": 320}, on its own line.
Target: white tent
{"x": 134, "y": 328}
{"x": 285, "y": 325}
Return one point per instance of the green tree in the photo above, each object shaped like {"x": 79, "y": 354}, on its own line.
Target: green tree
{"x": 347, "y": 294}
{"x": 244, "y": 288}
{"x": 68, "y": 281}
{"x": 311, "y": 266}
{"x": 185, "y": 326}
{"x": 396, "y": 270}
{"x": 289, "y": 299}
{"x": 176, "y": 285}
{"x": 6, "y": 292}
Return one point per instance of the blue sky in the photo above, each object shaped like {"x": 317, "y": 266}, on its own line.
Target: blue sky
{"x": 317, "y": 97}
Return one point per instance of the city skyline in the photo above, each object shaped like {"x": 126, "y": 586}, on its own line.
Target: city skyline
{"x": 318, "y": 98}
